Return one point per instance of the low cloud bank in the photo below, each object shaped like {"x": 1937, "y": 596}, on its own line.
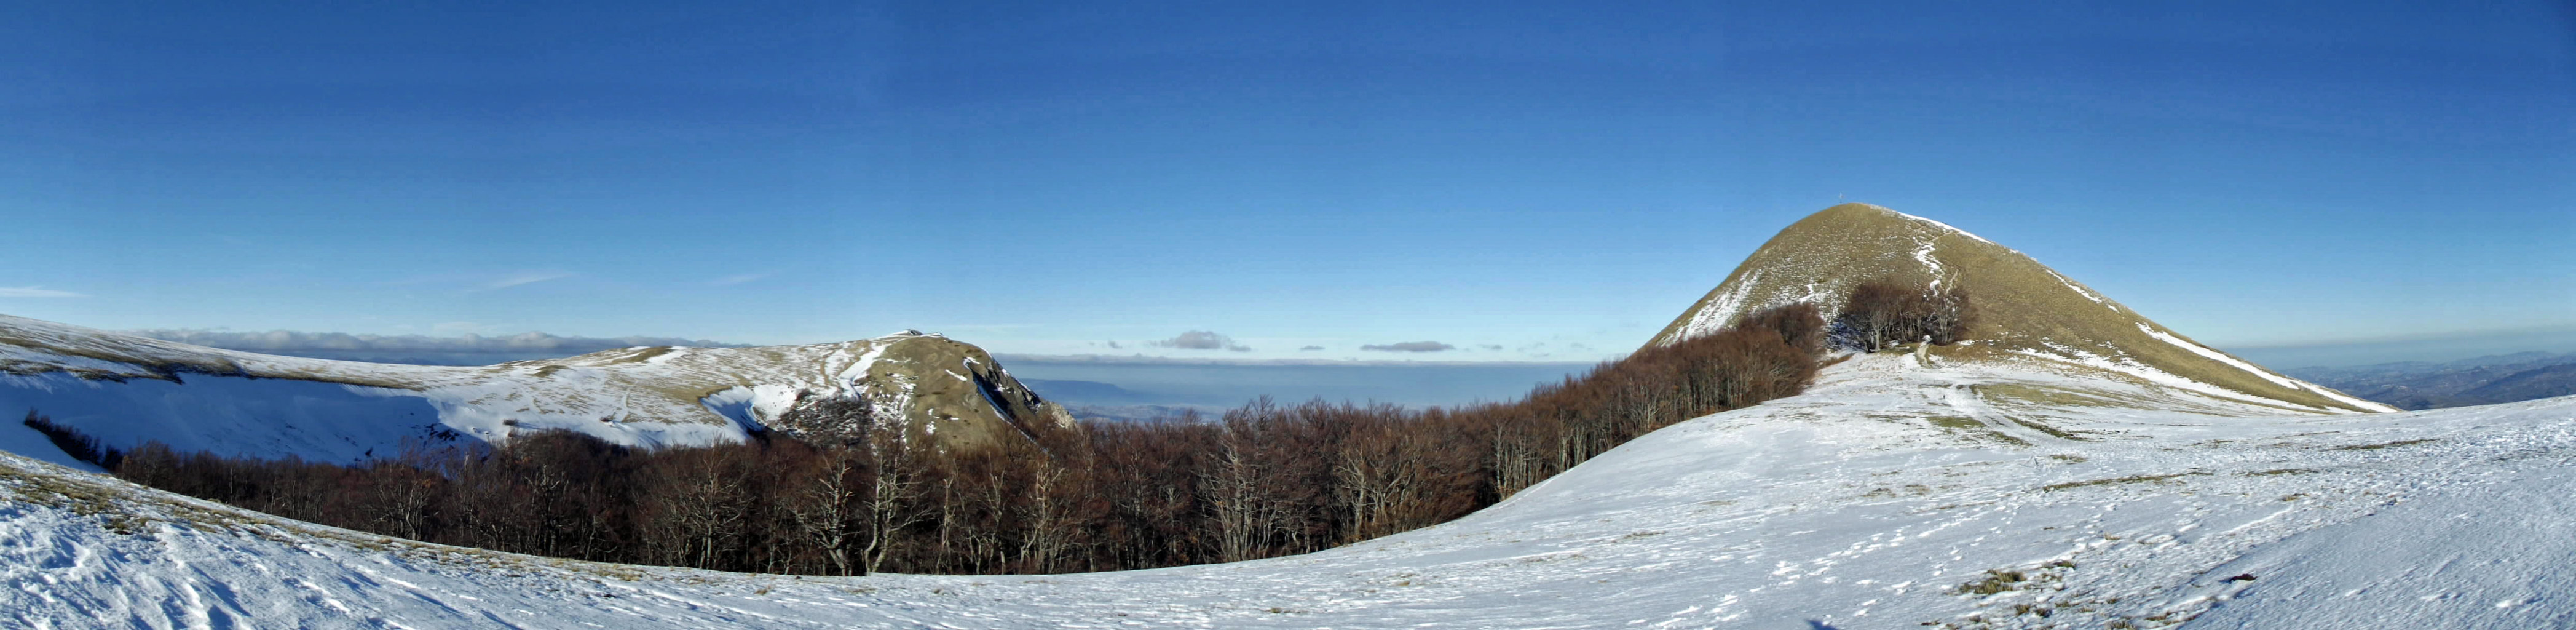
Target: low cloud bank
{"x": 1410, "y": 346}
{"x": 2441, "y": 347}
{"x": 1200, "y": 340}
{"x": 1017, "y": 360}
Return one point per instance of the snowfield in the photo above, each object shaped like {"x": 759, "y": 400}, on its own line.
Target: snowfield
{"x": 1902, "y": 491}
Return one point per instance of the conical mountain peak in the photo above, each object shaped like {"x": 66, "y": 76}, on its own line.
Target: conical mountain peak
{"x": 2025, "y": 309}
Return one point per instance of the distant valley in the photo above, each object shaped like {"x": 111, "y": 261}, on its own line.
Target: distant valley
{"x": 1139, "y": 391}
{"x": 2480, "y": 381}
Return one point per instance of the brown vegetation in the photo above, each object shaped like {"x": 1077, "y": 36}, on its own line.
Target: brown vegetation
{"x": 1264, "y": 480}
{"x": 1881, "y": 314}
{"x": 74, "y": 443}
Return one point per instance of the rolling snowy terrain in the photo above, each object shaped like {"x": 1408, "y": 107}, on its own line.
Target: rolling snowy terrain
{"x": 126, "y": 389}
{"x": 2071, "y": 465}
{"x": 1902, "y": 490}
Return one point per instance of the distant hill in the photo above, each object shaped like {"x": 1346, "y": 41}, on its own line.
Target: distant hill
{"x": 2479, "y": 381}
{"x": 1924, "y": 494}
{"x": 2025, "y": 310}
{"x": 125, "y": 389}
{"x": 2051, "y": 474}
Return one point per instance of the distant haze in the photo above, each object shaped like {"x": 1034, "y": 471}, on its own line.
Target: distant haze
{"x": 1228, "y": 385}
{"x": 1105, "y": 381}
{"x": 1217, "y": 383}
{"x": 2436, "y": 348}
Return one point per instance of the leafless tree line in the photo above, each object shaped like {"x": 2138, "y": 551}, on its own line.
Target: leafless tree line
{"x": 1263, "y": 480}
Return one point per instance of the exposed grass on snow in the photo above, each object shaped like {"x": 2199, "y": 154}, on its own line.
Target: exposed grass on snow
{"x": 2116, "y": 481}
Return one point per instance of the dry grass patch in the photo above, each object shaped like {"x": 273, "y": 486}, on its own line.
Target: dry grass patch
{"x": 2116, "y": 481}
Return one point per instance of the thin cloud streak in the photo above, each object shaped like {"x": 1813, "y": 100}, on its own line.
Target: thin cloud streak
{"x": 1410, "y": 346}
{"x": 36, "y": 292}
{"x": 526, "y": 278}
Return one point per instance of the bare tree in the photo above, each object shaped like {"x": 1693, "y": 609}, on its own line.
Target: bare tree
{"x": 829, "y": 505}
{"x": 895, "y": 489}
{"x": 1881, "y": 314}
{"x": 1232, "y": 489}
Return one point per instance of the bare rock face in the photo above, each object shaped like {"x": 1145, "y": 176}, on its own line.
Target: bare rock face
{"x": 950, "y": 390}
{"x": 2025, "y": 310}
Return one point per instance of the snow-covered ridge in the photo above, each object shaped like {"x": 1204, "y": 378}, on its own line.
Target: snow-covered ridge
{"x": 126, "y": 389}
{"x": 1943, "y": 226}
{"x": 1900, "y": 492}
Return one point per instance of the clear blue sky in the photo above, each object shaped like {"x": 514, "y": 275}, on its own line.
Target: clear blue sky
{"x": 1045, "y": 178}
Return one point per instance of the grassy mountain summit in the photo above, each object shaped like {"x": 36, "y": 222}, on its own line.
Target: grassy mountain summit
{"x": 2025, "y": 309}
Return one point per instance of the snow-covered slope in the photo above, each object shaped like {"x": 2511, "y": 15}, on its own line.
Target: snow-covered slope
{"x": 2023, "y": 307}
{"x": 126, "y": 389}
{"x": 1903, "y": 491}
{"x": 2075, "y": 467}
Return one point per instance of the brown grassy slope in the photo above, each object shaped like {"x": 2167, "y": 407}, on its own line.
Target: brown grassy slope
{"x": 957, "y": 406}
{"x": 2023, "y": 306}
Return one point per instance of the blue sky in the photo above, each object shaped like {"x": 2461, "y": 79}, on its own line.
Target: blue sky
{"x": 1555, "y": 181}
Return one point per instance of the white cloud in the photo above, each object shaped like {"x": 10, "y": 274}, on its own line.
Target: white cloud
{"x": 35, "y": 292}
{"x": 526, "y": 278}
{"x": 1409, "y": 346}
{"x": 1201, "y": 340}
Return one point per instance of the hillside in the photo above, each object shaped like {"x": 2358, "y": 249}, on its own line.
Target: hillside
{"x": 2024, "y": 308}
{"x": 1900, "y": 492}
{"x": 126, "y": 389}
{"x": 2029, "y": 479}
